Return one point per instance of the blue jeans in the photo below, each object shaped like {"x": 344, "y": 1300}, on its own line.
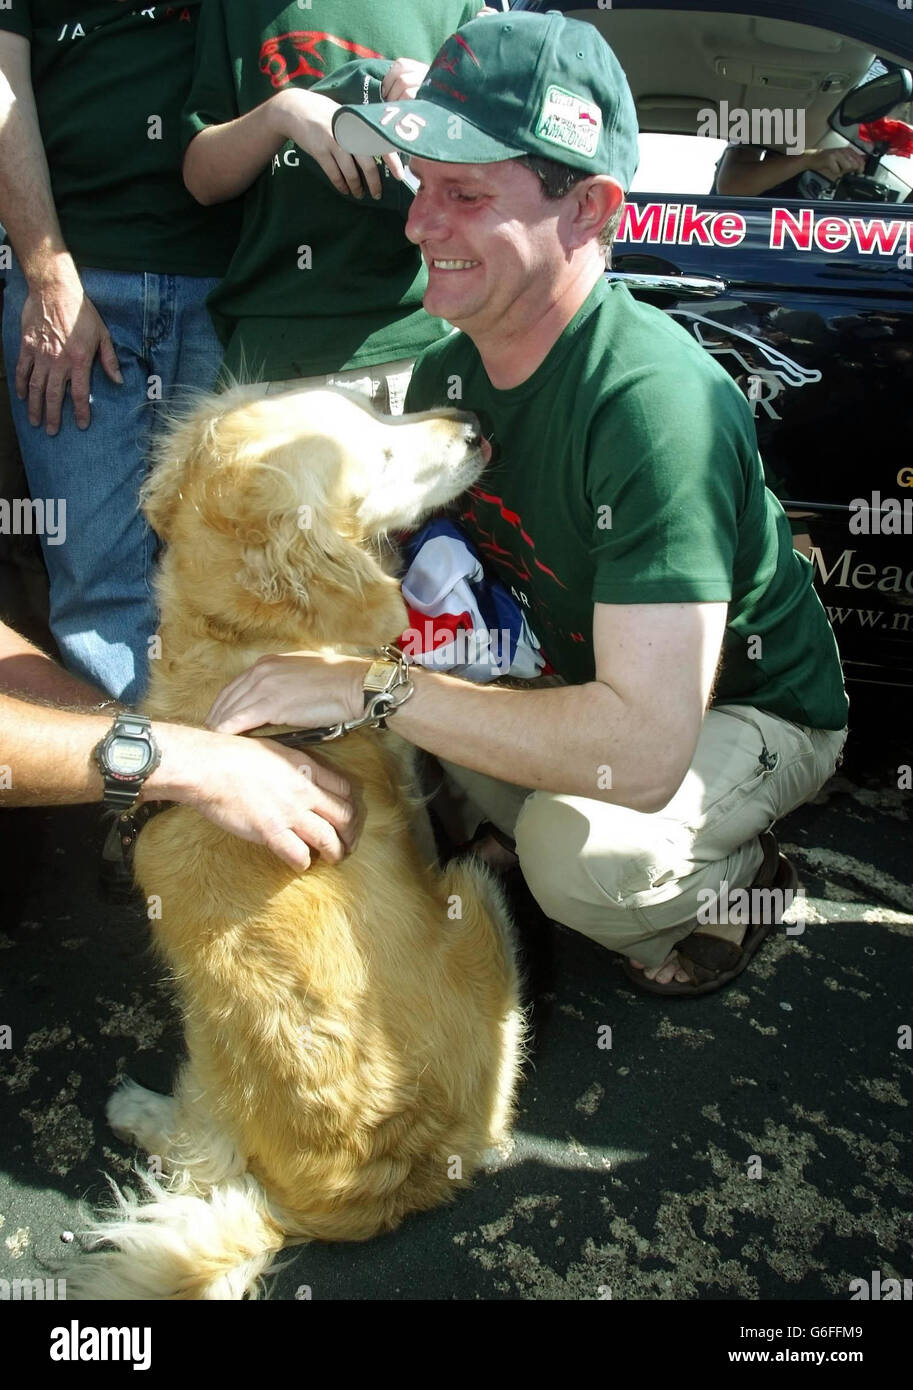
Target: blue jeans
{"x": 102, "y": 609}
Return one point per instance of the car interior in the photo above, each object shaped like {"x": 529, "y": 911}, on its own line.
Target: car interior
{"x": 679, "y": 64}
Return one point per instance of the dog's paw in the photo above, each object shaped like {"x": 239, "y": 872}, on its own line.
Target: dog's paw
{"x": 139, "y": 1116}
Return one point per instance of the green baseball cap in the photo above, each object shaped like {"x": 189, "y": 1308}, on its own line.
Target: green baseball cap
{"x": 509, "y": 85}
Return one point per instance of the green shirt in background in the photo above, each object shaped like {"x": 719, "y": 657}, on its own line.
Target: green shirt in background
{"x": 110, "y": 80}
{"x": 320, "y": 282}
{"x": 626, "y": 471}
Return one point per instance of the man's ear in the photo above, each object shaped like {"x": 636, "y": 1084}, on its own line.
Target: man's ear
{"x": 597, "y": 199}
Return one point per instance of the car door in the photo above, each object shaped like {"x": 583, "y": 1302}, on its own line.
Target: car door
{"x": 806, "y": 301}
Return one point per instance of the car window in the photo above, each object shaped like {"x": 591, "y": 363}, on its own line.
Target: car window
{"x": 676, "y": 163}
{"x": 682, "y": 164}
{"x": 752, "y": 91}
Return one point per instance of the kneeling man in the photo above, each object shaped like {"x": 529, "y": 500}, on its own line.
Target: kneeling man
{"x": 701, "y": 695}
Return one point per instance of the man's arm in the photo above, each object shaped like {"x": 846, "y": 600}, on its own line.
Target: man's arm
{"x": 253, "y": 788}
{"x": 27, "y": 671}
{"x": 226, "y": 152}
{"x": 627, "y": 737}
{"x": 61, "y": 330}
{"x": 223, "y": 160}
{"x": 749, "y": 172}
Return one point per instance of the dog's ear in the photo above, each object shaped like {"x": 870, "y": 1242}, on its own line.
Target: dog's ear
{"x": 306, "y": 570}
{"x": 161, "y": 492}
{"x": 183, "y": 448}
{"x": 174, "y": 454}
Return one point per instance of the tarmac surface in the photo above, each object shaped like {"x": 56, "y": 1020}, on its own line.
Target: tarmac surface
{"x": 754, "y": 1144}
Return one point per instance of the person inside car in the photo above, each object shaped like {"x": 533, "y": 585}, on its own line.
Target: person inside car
{"x": 751, "y": 171}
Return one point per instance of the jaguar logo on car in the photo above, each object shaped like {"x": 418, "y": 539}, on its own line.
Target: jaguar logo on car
{"x": 763, "y": 382}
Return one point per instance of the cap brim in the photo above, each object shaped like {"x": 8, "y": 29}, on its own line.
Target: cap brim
{"x": 418, "y": 128}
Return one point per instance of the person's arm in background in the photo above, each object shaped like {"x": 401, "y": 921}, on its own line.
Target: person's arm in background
{"x": 61, "y": 330}
{"x": 227, "y": 151}
{"x": 223, "y": 160}
{"x": 747, "y": 171}
{"x": 251, "y": 787}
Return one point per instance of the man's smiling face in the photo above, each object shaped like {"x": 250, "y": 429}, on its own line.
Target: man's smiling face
{"x": 491, "y": 241}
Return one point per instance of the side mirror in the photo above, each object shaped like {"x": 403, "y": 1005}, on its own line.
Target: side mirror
{"x": 873, "y": 100}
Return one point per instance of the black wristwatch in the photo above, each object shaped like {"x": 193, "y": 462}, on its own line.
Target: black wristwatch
{"x": 126, "y": 756}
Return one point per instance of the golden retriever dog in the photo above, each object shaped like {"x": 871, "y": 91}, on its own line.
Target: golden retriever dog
{"x": 354, "y": 1032}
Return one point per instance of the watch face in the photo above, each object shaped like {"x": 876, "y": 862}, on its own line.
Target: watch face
{"x": 128, "y": 757}
{"x": 380, "y": 675}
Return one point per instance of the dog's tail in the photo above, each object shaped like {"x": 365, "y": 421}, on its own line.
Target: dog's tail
{"x": 171, "y": 1244}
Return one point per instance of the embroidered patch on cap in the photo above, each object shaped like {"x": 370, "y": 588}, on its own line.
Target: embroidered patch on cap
{"x": 569, "y": 121}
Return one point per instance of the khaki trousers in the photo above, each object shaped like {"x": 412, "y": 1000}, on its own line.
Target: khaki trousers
{"x": 630, "y": 880}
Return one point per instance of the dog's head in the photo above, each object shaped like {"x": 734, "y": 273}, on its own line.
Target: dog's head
{"x": 272, "y": 507}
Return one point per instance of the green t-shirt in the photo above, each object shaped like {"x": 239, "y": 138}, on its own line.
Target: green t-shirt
{"x": 627, "y": 471}
{"x": 320, "y": 282}
{"x": 110, "y": 79}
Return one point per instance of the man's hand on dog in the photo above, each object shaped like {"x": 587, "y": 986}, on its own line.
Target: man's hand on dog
{"x": 262, "y": 792}
{"x": 307, "y": 690}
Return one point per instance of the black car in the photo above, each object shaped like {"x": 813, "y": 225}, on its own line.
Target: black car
{"x": 803, "y": 292}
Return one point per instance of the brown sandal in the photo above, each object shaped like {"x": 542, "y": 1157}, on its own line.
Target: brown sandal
{"x": 710, "y": 961}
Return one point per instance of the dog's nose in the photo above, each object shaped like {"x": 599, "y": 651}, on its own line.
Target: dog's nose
{"x": 472, "y": 429}
{"x": 472, "y": 433}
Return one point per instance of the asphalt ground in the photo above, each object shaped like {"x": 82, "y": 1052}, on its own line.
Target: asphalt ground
{"x": 751, "y": 1145}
